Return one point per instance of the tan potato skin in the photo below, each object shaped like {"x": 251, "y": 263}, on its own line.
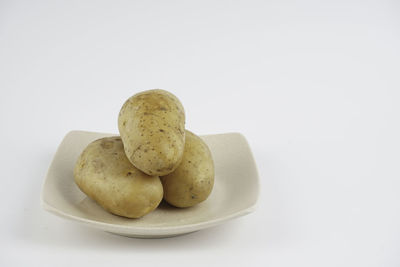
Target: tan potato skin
{"x": 104, "y": 173}
{"x": 192, "y": 182}
{"x": 152, "y": 128}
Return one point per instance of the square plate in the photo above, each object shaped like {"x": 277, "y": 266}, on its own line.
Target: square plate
{"x": 235, "y": 191}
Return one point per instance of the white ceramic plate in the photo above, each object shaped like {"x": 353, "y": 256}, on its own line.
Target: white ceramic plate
{"x": 235, "y": 191}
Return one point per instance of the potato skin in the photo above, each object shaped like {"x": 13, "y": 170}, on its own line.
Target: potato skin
{"x": 104, "y": 173}
{"x": 192, "y": 182}
{"x": 152, "y": 128}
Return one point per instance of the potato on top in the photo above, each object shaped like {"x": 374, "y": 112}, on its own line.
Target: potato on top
{"x": 152, "y": 128}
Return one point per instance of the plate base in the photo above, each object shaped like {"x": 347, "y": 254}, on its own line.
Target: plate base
{"x": 151, "y": 236}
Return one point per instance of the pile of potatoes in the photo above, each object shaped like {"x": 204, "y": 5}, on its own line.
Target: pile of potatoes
{"x": 154, "y": 157}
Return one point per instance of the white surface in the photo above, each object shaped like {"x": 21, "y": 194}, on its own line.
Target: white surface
{"x": 235, "y": 171}
{"x": 313, "y": 86}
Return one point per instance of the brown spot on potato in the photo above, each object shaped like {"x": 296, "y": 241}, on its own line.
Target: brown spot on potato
{"x": 97, "y": 164}
{"x": 107, "y": 144}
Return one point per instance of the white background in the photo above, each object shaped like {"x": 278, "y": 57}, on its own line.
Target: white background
{"x": 313, "y": 85}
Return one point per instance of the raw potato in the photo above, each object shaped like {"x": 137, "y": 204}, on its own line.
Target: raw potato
{"x": 104, "y": 173}
{"x": 192, "y": 182}
{"x": 152, "y": 128}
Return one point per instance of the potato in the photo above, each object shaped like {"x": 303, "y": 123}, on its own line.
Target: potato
{"x": 104, "y": 173}
{"x": 192, "y": 182}
{"x": 152, "y": 128}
